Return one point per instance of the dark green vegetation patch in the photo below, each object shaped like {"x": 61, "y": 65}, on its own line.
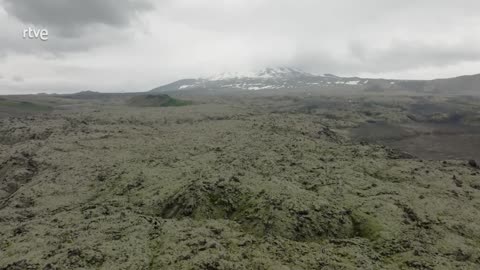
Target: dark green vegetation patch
{"x": 156, "y": 101}
{"x": 7, "y": 105}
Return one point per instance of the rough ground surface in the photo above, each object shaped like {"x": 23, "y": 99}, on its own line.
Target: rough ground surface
{"x": 273, "y": 183}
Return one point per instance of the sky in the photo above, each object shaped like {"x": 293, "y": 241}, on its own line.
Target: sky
{"x": 137, "y": 45}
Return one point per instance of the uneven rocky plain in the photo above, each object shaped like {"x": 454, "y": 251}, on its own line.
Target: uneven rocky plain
{"x": 246, "y": 181}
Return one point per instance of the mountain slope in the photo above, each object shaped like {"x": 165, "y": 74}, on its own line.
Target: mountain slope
{"x": 269, "y": 78}
{"x": 469, "y": 83}
{"x": 294, "y": 79}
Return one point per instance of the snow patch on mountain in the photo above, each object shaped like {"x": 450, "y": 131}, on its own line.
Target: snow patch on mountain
{"x": 267, "y": 73}
{"x": 352, "y": 82}
{"x": 268, "y": 78}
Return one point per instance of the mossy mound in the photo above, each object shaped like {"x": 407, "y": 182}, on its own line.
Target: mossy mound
{"x": 22, "y": 106}
{"x": 300, "y": 218}
{"x": 156, "y": 101}
{"x": 18, "y": 170}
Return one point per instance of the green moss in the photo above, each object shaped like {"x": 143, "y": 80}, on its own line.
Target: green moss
{"x": 176, "y": 102}
{"x": 366, "y": 227}
{"x": 157, "y": 101}
{"x": 23, "y": 106}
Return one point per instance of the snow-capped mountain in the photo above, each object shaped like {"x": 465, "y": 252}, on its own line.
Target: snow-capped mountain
{"x": 285, "y": 78}
{"x": 268, "y": 78}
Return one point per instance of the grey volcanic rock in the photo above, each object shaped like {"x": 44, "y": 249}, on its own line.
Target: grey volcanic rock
{"x": 473, "y": 163}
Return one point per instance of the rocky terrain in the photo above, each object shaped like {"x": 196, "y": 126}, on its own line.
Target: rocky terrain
{"x": 244, "y": 181}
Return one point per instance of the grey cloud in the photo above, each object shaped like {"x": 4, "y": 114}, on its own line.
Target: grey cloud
{"x": 398, "y": 56}
{"x": 109, "y": 44}
{"x": 77, "y": 32}
{"x": 71, "y": 18}
{"x": 18, "y": 79}
{"x": 318, "y": 62}
{"x": 56, "y": 46}
{"x": 322, "y": 31}
{"x": 405, "y": 55}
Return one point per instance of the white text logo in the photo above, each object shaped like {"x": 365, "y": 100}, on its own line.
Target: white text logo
{"x": 32, "y": 33}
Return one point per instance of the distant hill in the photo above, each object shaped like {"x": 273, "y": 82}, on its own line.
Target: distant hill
{"x": 469, "y": 83}
{"x": 156, "y": 101}
{"x": 86, "y": 95}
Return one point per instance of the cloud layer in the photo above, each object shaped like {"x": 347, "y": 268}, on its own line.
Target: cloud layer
{"x": 136, "y": 45}
{"x": 70, "y": 18}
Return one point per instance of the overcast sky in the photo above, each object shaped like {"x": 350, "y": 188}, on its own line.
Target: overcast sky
{"x": 128, "y": 45}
